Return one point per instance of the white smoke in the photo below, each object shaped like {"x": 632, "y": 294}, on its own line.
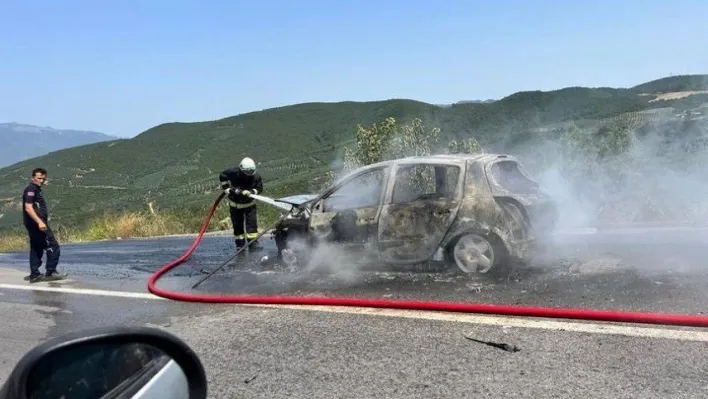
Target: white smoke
{"x": 660, "y": 179}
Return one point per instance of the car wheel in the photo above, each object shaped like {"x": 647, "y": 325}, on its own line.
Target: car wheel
{"x": 476, "y": 253}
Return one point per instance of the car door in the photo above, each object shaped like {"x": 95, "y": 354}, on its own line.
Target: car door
{"x": 424, "y": 201}
{"x": 348, "y": 214}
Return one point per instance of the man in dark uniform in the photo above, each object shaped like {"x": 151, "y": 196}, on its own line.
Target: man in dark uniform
{"x": 41, "y": 237}
{"x": 238, "y": 184}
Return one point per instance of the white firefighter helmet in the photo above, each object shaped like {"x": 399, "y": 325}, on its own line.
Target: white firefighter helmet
{"x": 247, "y": 166}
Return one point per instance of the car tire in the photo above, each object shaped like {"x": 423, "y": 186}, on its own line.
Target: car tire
{"x": 475, "y": 253}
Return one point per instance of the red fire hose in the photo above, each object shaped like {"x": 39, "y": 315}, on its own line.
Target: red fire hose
{"x": 506, "y": 310}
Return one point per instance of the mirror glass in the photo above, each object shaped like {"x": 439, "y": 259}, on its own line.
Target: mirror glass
{"x": 106, "y": 370}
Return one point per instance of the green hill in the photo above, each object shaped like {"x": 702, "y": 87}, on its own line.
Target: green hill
{"x": 175, "y": 165}
{"x": 674, "y": 84}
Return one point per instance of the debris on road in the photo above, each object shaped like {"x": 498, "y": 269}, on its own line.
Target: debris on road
{"x": 506, "y": 347}
{"x": 248, "y": 380}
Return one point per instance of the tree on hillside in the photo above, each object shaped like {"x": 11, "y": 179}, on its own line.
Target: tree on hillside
{"x": 467, "y": 146}
{"x": 388, "y": 140}
{"x": 372, "y": 144}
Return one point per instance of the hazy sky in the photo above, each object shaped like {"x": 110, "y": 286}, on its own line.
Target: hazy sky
{"x": 121, "y": 67}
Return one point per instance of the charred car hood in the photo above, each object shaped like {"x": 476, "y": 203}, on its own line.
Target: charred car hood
{"x": 297, "y": 200}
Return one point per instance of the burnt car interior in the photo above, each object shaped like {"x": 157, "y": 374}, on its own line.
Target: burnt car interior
{"x": 421, "y": 210}
{"x": 350, "y": 212}
{"x": 420, "y": 182}
{"x": 361, "y": 191}
{"x": 414, "y": 182}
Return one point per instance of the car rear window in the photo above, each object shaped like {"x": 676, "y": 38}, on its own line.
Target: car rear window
{"x": 508, "y": 175}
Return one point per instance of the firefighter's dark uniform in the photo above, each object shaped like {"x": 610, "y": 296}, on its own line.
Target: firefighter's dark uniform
{"x": 242, "y": 208}
{"x": 40, "y": 241}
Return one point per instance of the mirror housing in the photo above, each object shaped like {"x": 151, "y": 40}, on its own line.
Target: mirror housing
{"x": 114, "y": 362}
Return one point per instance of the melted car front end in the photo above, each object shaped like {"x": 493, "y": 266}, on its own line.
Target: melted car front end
{"x": 294, "y": 225}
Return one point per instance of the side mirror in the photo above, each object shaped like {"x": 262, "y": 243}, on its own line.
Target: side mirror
{"x": 116, "y": 362}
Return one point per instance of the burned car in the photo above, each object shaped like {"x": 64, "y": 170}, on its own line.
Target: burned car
{"x": 476, "y": 212}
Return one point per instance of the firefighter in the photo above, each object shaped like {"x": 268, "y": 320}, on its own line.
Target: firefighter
{"x": 238, "y": 184}
{"x": 41, "y": 238}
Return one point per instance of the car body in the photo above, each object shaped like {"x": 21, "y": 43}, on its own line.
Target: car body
{"x": 477, "y": 211}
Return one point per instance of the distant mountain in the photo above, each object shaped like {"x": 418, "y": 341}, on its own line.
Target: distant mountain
{"x": 679, "y": 83}
{"x": 466, "y": 102}
{"x": 21, "y": 142}
{"x": 476, "y": 101}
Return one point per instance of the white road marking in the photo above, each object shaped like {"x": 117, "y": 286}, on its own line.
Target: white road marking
{"x": 83, "y": 291}
{"x": 683, "y": 334}
{"x": 668, "y": 332}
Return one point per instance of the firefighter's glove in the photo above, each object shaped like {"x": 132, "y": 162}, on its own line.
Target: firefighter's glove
{"x": 232, "y": 193}
{"x": 245, "y": 193}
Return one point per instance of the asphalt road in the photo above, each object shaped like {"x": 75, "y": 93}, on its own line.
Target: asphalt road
{"x": 334, "y": 352}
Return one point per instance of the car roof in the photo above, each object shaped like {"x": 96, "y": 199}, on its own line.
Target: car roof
{"x": 445, "y": 158}
{"x": 451, "y": 159}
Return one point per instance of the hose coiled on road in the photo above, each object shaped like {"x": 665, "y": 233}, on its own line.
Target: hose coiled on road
{"x": 483, "y": 308}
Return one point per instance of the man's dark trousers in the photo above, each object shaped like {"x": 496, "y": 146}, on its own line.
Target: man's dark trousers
{"x": 41, "y": 241}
